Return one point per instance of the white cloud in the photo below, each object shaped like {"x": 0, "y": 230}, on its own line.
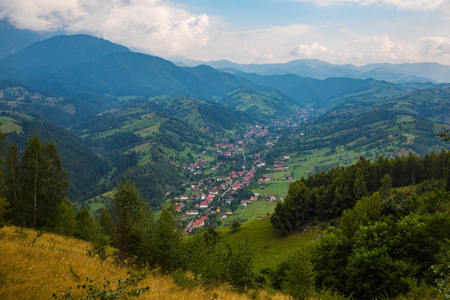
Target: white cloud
{"x": 444, "y": 47}
{"x": 378, "y": 48}
{"x": 167, "y": 29}
{"x": 400, "y": 4}
{"x": 154, "y": 25}
{"x": 435, "y": 46}
{"x": 308, "y": 51}
{"x": 254, "y": 46}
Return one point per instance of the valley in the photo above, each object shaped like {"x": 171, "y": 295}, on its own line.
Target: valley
{"x": 233, "y": 177}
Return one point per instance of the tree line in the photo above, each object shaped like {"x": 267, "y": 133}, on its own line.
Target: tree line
{"x": 326, "y": 195}
{"x": 381, "y": 242}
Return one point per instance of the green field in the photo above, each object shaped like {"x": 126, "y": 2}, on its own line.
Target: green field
{"x": 10, "y": 127}
{"x": 256, "y": 209}
{"x": 268, "y": 248}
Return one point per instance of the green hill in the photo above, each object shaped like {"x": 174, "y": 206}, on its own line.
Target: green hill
{"x": 220, "y": 82}
{"x": 130, "y": 74}
{"x": 259, "y": 103}
{"x": 321, "y": 92}
{"x": 209, "y": 117}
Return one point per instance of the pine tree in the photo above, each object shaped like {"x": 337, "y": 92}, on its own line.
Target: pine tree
{"x": 131, "y": 219}
{"x": 86, "y": 228}
{"x": 386, "y": 186}
{"x": 67, "y": 223}
{"x": 359, "y": 186}
{"x": 167, "y": 244}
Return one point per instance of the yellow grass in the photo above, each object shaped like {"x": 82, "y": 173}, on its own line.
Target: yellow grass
{"x": 54, "y": 263}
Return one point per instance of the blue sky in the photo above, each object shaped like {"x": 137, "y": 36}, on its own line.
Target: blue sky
{"x": 250, "y": 31}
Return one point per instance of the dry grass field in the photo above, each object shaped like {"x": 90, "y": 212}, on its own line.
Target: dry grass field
{"x": 33, "y": 268}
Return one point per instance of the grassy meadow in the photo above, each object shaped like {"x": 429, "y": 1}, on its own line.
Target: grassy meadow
{"x": 268, "y": 248}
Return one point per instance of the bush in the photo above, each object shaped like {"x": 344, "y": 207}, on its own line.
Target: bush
{"x": 122, "y": 291}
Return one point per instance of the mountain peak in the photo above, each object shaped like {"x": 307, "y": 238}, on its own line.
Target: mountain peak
{"x": 47, "y": 56}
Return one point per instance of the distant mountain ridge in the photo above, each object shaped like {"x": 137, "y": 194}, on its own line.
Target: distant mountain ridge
{"x": 309, "y": 90}
{"x": 45, "y": 57}
{"x": 314, "y": 68}
{"x": 86, "y": 64}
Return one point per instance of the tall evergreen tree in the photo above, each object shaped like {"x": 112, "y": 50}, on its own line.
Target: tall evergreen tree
{"x": 386, "y": 186}
{"x": 67, "y": 223}
{"x": 359, "y": 185}
{"x": 130, "y": 218}
{"x": 86, "y": 228}
{"x": 167, "y": 243}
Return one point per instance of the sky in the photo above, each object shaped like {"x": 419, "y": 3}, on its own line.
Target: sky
{"x": 355, "y": 32}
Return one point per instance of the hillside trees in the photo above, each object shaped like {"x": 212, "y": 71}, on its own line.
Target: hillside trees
{"x": 130, "y": 218}
{"x": 36, "y": 184}
{"x": 327, "y": 194}
{"x": 167, "y": 248}
{"x": 300, "y": 276}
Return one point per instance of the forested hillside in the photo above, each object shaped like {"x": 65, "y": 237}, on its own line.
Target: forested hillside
{"x": 384, "y": 240}
{"x": 84, "y": 168}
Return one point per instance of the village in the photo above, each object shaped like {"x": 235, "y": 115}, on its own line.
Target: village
{"x": 223, "y": 176}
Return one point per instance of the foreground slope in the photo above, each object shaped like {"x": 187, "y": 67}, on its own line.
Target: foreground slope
{"x": 54, "y": 264}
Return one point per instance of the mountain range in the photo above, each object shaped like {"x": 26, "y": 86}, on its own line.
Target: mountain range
{"x": 314, "y": 68}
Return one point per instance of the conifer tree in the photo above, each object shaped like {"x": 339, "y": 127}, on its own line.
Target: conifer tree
{"x": 67, "y": 224}
{"x": 85, "y": 225}
{"x": 131, "y": 219}
{"x": 359, "y": 186}
{"x": 167, "y": 243}
{"x": 386, "y": 186}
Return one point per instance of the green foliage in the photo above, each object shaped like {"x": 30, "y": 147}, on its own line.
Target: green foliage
{"x": 131, "y": 219}
{"x": 84, "y": 167}
{"x": 21, "y": 233}
{"x": 240, "y": 268}
{"x": 126, "y": 289}
{"x": 4, "y": 204}
{"x": 300, "y": 276}
{"x": 38, "y": 184}
{"x": 100, "y": 245}
{"x": 330, "y": 260}
{"x": 68, "y": 223}
{"x": 183, "y": 280}
{"x": 86, "y": 226}
{"x": 167, "y": 246}
{"x": 294, "y": 210}
{"x": 207, "y": 258}
{"x": 376, "y": 256}
{"x": 326, "y": 195}
{"x": 373, "y": 273}
{"x": 386, "y": 186}
{"x": 235, "y": 225}
{"x": 105, "y": 223}
{"x": 442, "y": 272}
{"x": 365, "y": 211}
